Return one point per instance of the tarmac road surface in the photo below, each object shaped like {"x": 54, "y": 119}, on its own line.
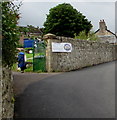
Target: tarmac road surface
{"x": 85, "y": 93}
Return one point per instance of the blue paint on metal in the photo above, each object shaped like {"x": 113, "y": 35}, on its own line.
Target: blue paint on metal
{"x": 28, "y": 43}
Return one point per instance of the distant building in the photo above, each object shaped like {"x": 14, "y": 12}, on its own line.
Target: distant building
{"x": 36, "y": 34}
{"x": 21, "y": 40}
{"x": 104, "y": 34}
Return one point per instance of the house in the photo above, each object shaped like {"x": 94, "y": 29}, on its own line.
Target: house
{"x": 104, "y": 34}
{"x": 33, "y": 33}
{"x": 21, "y": 40}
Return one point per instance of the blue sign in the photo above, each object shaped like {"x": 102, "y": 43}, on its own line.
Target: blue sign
{"x": 28, "y": 43}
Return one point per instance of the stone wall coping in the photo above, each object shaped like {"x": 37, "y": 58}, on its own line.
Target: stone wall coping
{"x": 49, "y": 36}
{"x": 62, "y": 39}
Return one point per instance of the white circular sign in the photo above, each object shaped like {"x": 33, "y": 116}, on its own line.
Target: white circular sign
{"x": 67, "y": 47}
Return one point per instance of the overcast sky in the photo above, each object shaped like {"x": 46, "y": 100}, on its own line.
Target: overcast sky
{"x": 34, "y": 13}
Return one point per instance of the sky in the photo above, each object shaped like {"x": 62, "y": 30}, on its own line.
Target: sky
{"x": 35, "y": 12}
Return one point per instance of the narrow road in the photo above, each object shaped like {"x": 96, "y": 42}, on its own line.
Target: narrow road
{"x": 86, "y": 93}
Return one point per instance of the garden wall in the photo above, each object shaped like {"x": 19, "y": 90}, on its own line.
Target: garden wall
{"x": 7, "y": 94}
{"x": 0, "y": 92}
{"x": 84, "y": 53}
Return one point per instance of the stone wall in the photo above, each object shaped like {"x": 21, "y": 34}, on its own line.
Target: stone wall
{"x": 108, "y": 39}
{"x": 84, "y": 53}
{"x": 0, "y": 92}
{"x": 7, "y": 94}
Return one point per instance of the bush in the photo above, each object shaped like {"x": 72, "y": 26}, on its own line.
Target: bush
{"x": 87, "y": 36}
{"x": 10, "y": 34}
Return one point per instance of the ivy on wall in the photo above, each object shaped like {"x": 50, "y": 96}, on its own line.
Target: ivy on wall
{"x": 10, "y": 32}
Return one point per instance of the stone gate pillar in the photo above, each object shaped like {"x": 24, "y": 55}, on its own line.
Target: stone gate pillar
{"x": 49, "y": 39}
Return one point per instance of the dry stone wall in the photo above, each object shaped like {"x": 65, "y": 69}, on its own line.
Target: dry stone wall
{"x": 7, "y": 94}
{"x": 0, "y": 92}
{"x": 84, "y": 53}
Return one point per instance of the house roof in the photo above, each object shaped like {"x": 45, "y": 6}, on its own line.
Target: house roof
{"x": 36, "y": 30}
{"x": 108, "y": 31}
{"x": 103, "y": 27}
{"x": 111, "y": 32}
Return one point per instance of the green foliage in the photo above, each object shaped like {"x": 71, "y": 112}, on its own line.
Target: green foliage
{"x": 30, "y": 29}
{"x": 14, "y": 67}
{"x": 20, "y": 45}
{"x": 29, "y": 69}
{"x": 12, "y": 100}
{"x": 29, "y": 55}
{"x": 93, "y": 36}
{"x": 87, "y": 36}
{"x": 23, "y": 29}
{"x": 82, "y": 35}
{"x": 64, "y": 20}
{"x": 10, "y": 34}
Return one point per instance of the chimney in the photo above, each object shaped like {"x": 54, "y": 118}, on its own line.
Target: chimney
{"x": 102, "y": 25}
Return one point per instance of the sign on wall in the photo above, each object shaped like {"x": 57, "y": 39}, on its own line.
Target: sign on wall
{"x": 61, "y": 47}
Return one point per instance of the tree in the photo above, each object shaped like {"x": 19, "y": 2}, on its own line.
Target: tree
{"x": 10, "y": 34}
{"x": 64, "y": 20}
